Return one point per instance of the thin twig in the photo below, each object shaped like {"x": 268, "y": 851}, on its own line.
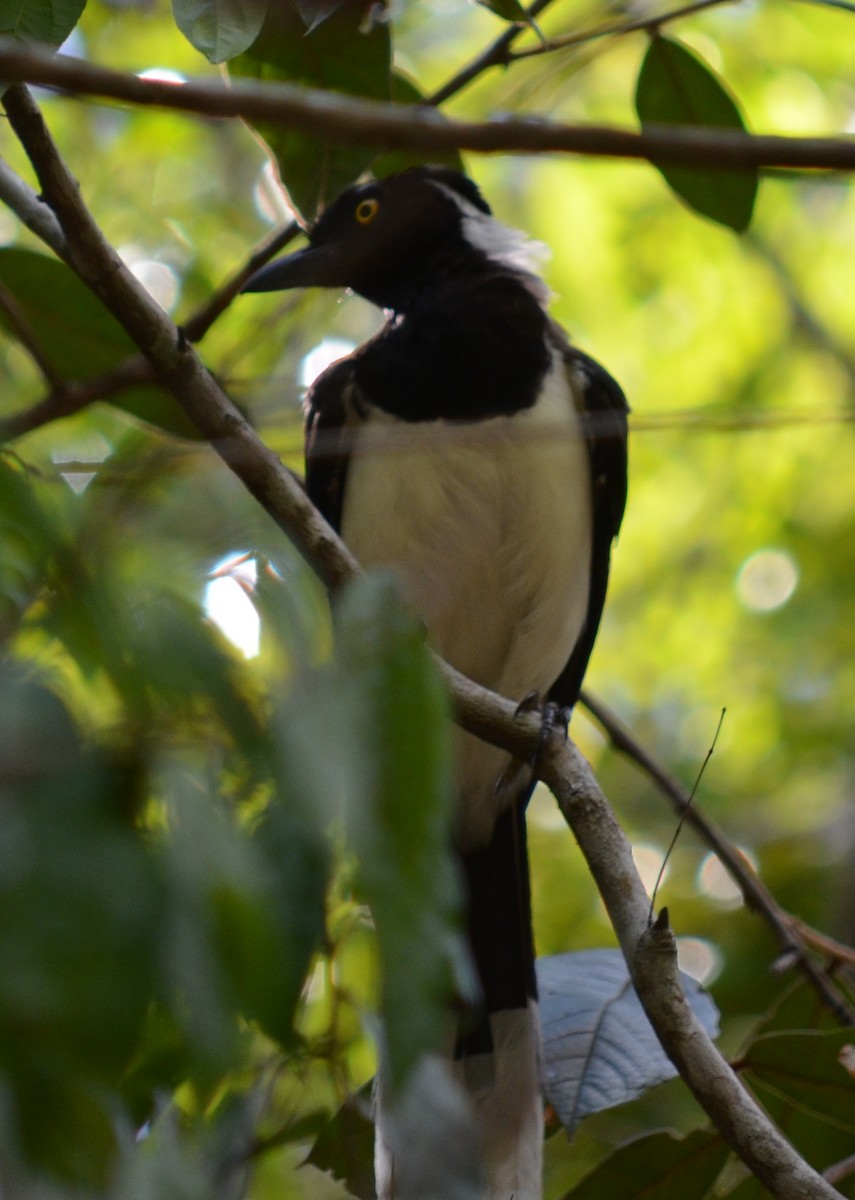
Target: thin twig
{"x": 754, "y": 892}
{"x": 66, "y": 398}
{"x": 840, "y": 1171}
{"x": 495, "y": 55}
{"x": 197, "y": 326}
{"x": 615, "y": 29}
{"x": 690, "y": 799}
{"x": 17, "y": 321}
{"x": 71, "y": 397}
{"x": 349, "y": 119}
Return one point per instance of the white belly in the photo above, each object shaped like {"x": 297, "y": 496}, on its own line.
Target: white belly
{"x": 492, "y": 539}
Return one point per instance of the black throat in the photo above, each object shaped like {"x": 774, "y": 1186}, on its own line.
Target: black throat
{"x": 468, "y": 345}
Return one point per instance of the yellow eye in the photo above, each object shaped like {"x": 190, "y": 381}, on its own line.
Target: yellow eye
{"x": 366, "y": 211}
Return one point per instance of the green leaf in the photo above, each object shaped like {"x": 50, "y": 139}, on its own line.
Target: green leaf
{"x": 508, "y": 10}
{"x": 220, "y": 29}
{"x": 345, "y": 1147}
{"x": 342, "y": 54}
{"x": 80, "y": 915}
{"x": 80, "y": 337}
{"x": 399, "y": 822}
{"x": 659, "y": 1165}
{"x": 47, "y": 21}
{"x": 28, "y": 540}
{"x": 806, "y": 1067}
{"x": 676, "y": 88}
{"x": 294, "y": 864}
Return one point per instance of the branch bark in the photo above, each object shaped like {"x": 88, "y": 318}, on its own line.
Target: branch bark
{"x": 606, "y": 849}
{"x": 349, "y": 119}
{"x": 754, "y": 892}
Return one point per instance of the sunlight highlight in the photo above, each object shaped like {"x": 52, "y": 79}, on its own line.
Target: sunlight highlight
{"x": 228, "y": 605}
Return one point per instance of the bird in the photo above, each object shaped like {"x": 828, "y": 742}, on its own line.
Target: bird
{"x": 474, "y": 450}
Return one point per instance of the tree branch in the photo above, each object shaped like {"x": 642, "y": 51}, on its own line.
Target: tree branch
{"x": 756, "y": 895}
{"x": 30, "y": 208}
{"x": 496, "y": 55}
{"x": 615, "y": 29}
{"x": 67, "y": 397}
{"x": 606, "y": 849}
{"x": 344, "y": 118}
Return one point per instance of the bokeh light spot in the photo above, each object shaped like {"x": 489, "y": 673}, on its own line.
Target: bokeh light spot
{"x": 715, "y": 882}
{"x": 228, "y": 605}
{"x": 767, "y": 580}
{"x": 322, "y": 356}
{"x": 699, "y": 958}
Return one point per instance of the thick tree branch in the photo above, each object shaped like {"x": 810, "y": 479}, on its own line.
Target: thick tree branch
{"x": 608, "y": 853}
{"x": 349, "y": 119}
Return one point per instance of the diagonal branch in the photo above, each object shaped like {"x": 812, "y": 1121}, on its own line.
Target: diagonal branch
{"x": 754, "y": 892}
{"x": 16, "y": 319}
{"x": 349, "y": 119}
{"x": 607, "y": 851}
{"x": 496, "y": 55}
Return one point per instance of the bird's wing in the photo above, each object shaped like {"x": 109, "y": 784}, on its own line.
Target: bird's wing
{"x": 604, "y": 413}
{"x": 331, "y": 417}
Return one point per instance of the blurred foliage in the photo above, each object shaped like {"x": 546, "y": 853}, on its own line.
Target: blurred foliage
{"x": 189, "y": 973}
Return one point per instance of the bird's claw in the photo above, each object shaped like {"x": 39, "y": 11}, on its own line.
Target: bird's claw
{"x": 552, "y": 717}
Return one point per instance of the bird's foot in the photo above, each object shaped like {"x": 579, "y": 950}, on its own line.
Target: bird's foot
{"x": 553, "y": 718}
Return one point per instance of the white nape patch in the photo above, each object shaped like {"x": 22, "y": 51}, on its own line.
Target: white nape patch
{"x": 504, "y": 245}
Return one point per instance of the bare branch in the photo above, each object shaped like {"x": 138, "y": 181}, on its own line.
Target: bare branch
{"x": 198, "y": 325}
{"x": 615, "y": 29}
{"x": 71, "y": 397}
{"x": 172, "y": 357}
{"x": 349, "y": 119}
{"x": 496, "y": 55}
{"x": 66, "y": 398}
{"x": 31, "y": 209}
{"x": 608, "y": 853}
{"x": 754, "y": 892}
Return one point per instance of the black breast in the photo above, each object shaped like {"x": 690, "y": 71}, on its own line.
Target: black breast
{"x": 465, "y": 350}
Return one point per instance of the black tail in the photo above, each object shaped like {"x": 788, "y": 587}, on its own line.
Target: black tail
{"x": 499, "y": 898}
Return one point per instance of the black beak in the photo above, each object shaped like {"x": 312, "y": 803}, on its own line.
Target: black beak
{"x": 314, "y": 266}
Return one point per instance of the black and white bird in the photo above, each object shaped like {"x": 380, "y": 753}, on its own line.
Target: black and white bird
{"x": 472, "y": 448}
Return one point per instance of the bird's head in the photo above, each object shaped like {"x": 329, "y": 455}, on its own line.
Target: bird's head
{"x": 391, "y": 239}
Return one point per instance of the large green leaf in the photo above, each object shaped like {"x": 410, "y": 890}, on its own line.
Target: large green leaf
{"x": 48, "y": 21}
{"x": 79, "y": 922}
{"x": 344, "y": 52}
{"x": 659, "y": 1165}
{"x": 248, "y": 913}
{"x": 220, "y": 29}
{"x": 591, "y": 1019}
{"x": 399, "y": 821}
{"x": 79, "y": 336}
{"x": 806, "y": 1068}
{"x": 676, "y": 88}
